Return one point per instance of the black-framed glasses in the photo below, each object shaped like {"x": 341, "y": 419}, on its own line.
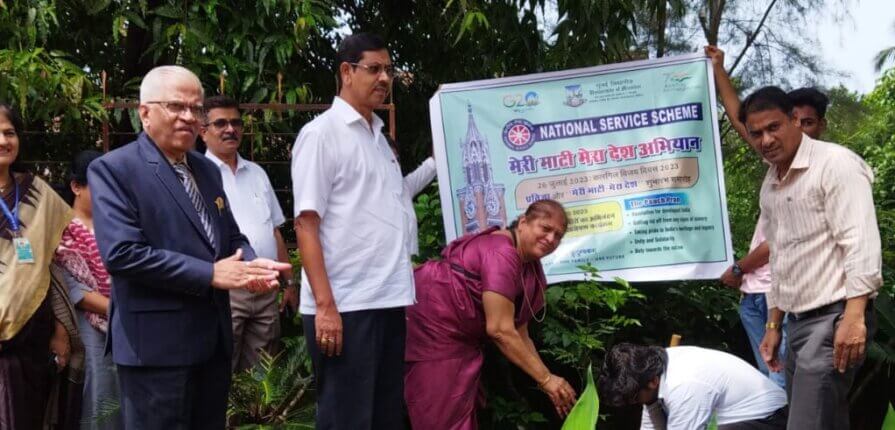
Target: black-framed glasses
{"x": 221, "y": 123}
{"x": 178, "y": 108}
{"x": 376, "y": 69}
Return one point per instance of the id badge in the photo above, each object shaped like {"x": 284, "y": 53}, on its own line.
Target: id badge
{"x": 23, "y": 250}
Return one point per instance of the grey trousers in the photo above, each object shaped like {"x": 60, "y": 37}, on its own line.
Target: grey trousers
{"x": 256, "y": 326}
{"x": 817, "y": 392}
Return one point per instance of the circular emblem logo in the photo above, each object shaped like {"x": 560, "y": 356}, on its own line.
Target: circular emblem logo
{"x": 519, "y": 135}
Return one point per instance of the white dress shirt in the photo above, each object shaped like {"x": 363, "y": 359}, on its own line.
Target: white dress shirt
{"x": 699, "y": 383}
{"x": 253, "y": 202}
{"x": 822, "y": 229}
{"x": 344, "y": 170}
{"x": 415, "y": 182}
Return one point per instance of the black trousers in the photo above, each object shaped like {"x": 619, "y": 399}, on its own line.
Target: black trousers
{"x": 188, "y": 397}
{"x": 362, "y": 389}
{"x": 777, "y": 421}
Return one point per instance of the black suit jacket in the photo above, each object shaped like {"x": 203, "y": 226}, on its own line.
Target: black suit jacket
{"x": 163, "y": 310}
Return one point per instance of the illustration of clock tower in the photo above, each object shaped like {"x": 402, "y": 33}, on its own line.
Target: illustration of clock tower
{"x": 482, "y": 202}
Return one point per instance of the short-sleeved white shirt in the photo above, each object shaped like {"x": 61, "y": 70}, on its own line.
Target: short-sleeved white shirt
{"x": 344, "y": 170}
{"x": 699, "y": 383}
{"x": 253, "y": 202}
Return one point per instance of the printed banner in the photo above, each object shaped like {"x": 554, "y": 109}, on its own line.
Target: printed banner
{"x": 632, "y": 151}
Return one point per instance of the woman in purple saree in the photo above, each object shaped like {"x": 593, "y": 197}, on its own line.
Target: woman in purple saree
{"x": 488, "y": 286}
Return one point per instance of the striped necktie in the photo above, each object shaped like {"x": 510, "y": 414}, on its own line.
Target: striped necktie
{"x": 183, "y": 172}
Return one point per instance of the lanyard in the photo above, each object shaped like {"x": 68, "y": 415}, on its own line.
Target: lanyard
{"x": 13, "y": 216}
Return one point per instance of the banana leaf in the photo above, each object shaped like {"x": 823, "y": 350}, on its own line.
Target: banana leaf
{"x": 889, "y": 423}
{"x": 587, "y": 409}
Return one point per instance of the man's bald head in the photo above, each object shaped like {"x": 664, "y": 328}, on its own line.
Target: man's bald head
{"x": 171, "y": 109}
{"x": 154, "y": 83}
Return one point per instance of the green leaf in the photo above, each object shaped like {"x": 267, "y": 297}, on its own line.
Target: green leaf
{"x": 259, "y": 96}
{"x": 168, "y": 11}
{"x": 587, "y": 409}
{"x": 96, "y": 6}
{"x": 889, "y": 423}
{"x": 134, "y": 116}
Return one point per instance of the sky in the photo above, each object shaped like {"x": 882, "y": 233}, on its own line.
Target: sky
{"x": 851, "y": 44}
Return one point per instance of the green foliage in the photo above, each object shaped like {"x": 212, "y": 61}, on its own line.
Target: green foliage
{"x": 429, "y": 218}
{"x": 275, "y": 393}
{"x": 107, "y": 410}
{"x": 889, "y": 423}
{"x": 512, "y": 413}
{"x": 64, "y": 90}
{"x": 587, "y": 409}
{"x": 45, "y": 85}
{"x": 583, "y": 316}
{"x": 27, "y": 24}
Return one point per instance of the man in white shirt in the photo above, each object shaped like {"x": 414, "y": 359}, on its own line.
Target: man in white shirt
{"x": 350, "y": 224}
{"x": 256, "y": 322}
{"x": 683, "y": 387}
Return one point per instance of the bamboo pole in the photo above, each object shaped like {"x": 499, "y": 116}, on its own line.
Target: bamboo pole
{"x": 106, "y": 127}
{"x": 675, "y": 340}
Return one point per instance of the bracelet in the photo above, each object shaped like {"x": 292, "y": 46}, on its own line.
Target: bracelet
{"x": 545, "y": 381}
{"x": 772, "y": 326}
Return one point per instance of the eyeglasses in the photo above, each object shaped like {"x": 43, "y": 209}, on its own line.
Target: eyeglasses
{"x": 376, "y": 69}
{"x": 221, "y": 123}
{"x": 178, "y": 108}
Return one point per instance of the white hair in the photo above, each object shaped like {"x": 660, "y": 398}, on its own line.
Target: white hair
{"x": 160, "y": 76}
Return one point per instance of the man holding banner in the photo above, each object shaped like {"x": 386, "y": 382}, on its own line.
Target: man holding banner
{"x": 825, "y": 256}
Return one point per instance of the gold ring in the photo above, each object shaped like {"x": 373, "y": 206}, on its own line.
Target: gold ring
{"x": 326, "y": 340}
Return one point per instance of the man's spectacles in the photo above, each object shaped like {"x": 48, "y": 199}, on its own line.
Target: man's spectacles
{"x": 221, "y": 123}
{"x": 376, "y": 69}
{"x": 178, "y": 108}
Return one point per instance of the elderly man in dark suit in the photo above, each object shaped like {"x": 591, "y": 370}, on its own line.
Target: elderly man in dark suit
{"x": 167, "y": 236}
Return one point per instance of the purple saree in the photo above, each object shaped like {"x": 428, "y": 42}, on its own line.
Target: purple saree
{"x": 446, "y": 328}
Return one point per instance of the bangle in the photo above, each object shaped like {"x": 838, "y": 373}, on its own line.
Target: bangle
{"x": 772, "y": 326}
{"x": 545, "y": 381}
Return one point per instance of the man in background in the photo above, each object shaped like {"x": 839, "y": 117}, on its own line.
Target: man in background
{"x": 254, "y": 204}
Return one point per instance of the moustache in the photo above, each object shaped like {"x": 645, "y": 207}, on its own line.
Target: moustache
{"x": 228, "y": 136}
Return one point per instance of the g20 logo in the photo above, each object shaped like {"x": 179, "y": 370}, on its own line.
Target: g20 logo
{"x": 517, "y": 101}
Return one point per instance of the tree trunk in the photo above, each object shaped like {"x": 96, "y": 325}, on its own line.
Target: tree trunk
{"x": 661, "y": 23}
{"x": 710, "y": 19}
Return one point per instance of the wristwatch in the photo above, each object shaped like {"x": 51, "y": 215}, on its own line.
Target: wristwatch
{"x": 736, "y": 270}
{"x": 770, "y": 325}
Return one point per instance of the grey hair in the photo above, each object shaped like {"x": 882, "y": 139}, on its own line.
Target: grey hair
{"x": 159, "y": 76}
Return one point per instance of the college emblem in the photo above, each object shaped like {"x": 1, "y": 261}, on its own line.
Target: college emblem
{"x": 574, "y": 96}
{"x": 518, "y": 135}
